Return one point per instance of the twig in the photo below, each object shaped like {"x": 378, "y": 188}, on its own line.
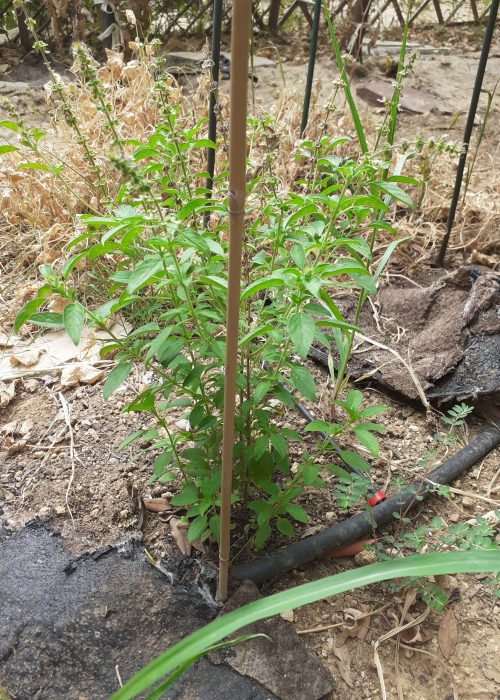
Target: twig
{"x": 492, "y": 483}
{"x": 324, "y": 628}
{"x": 55, "y": 440}
{"x": 390, "y": 634}
{"x": 117, "y": 671}
{"x": 428, "y": 653}
{"x": 67, "y": 419}
{"x": 470, "y": 494}
{"x": 409, "y": 368}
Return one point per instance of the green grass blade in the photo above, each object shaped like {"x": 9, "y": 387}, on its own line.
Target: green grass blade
{"x": 158, "y": 691}
{"x": 360, "y": 132}
{"x": 198, "y": 642}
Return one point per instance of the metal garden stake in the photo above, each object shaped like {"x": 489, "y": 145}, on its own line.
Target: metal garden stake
{"x": 483, "y": 60}
{"x": 212, "y": 115}
{"x": 313, "y": 46}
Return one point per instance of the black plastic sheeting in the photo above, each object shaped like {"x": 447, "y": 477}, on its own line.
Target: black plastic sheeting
{"x": 67, "y": 626}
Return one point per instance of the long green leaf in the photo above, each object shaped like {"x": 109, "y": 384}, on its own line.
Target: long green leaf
{"x": 418, "y": 565}
{"x": 260, "y": 285}
{"x": 387, "y": 255}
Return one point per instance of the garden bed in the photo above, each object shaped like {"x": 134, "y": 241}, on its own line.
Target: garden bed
{"x": 69, "y": 473}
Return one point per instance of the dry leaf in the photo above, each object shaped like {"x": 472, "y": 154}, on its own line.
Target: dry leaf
{"x": 5, "y": 341}
{"x": 483, "y": 259}
{"x": 156, "y": 505}
{"x": 7, "y": 393}
{"x": 179, "y": 533}
{"x": 18, "y": 427}
{"x": 72, "y": 375}
{"x": 57, "y": 305}
{"x": 364, "y": 622}
{"x": 14, "y": 447}
{"x": 411, "y": 635}
{"x": 356, "y": 625}
{"x": 448, "y": 634}
{"x": 26, "y": 359}
{"x": 344, "y": 663}
{"x": 198, "y": 545}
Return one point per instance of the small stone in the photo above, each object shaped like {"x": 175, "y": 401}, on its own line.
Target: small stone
{"x": 60, "y": 511}
{"x": 44, "y": 512}
{"x": 31, "y": 385}
{"x": 366, "y": 556}
{"x": 469, "y": 502}
{"x": 454, "y": 517}
{"x": 183, "y": 424}
{"x": 288, "y": 615}
{"x": 330, "y": 516}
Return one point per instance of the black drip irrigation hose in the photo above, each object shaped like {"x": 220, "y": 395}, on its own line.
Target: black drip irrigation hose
{"x": 483, "y": 60}
{"x": 362, "y": 524}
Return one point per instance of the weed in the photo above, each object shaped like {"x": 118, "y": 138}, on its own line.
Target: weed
{"x": 162, "y": 274}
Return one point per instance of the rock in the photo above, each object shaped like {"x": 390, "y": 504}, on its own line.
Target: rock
{"x": 60, "y": 511}
{"x": 7, "y": 393}
{"x": 11, "y": 88}
{"x": 183, "y": 424}
{"x": 44, "y": 512}
{"x": 469, "y": 503}
{"x": 365, "y": 557}
{"x": 31, "y": 385}
{"x": 412, "y": 101}
{"x": 272, "y": 662}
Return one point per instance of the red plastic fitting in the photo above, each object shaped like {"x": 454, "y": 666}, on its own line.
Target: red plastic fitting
{"x": 377, "y": 498}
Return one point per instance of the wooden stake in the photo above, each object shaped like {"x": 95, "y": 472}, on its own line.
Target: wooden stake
{"x": 240, "y": 36}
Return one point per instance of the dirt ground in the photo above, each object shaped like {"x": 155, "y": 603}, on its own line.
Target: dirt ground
{"x": 68, "y": 470}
